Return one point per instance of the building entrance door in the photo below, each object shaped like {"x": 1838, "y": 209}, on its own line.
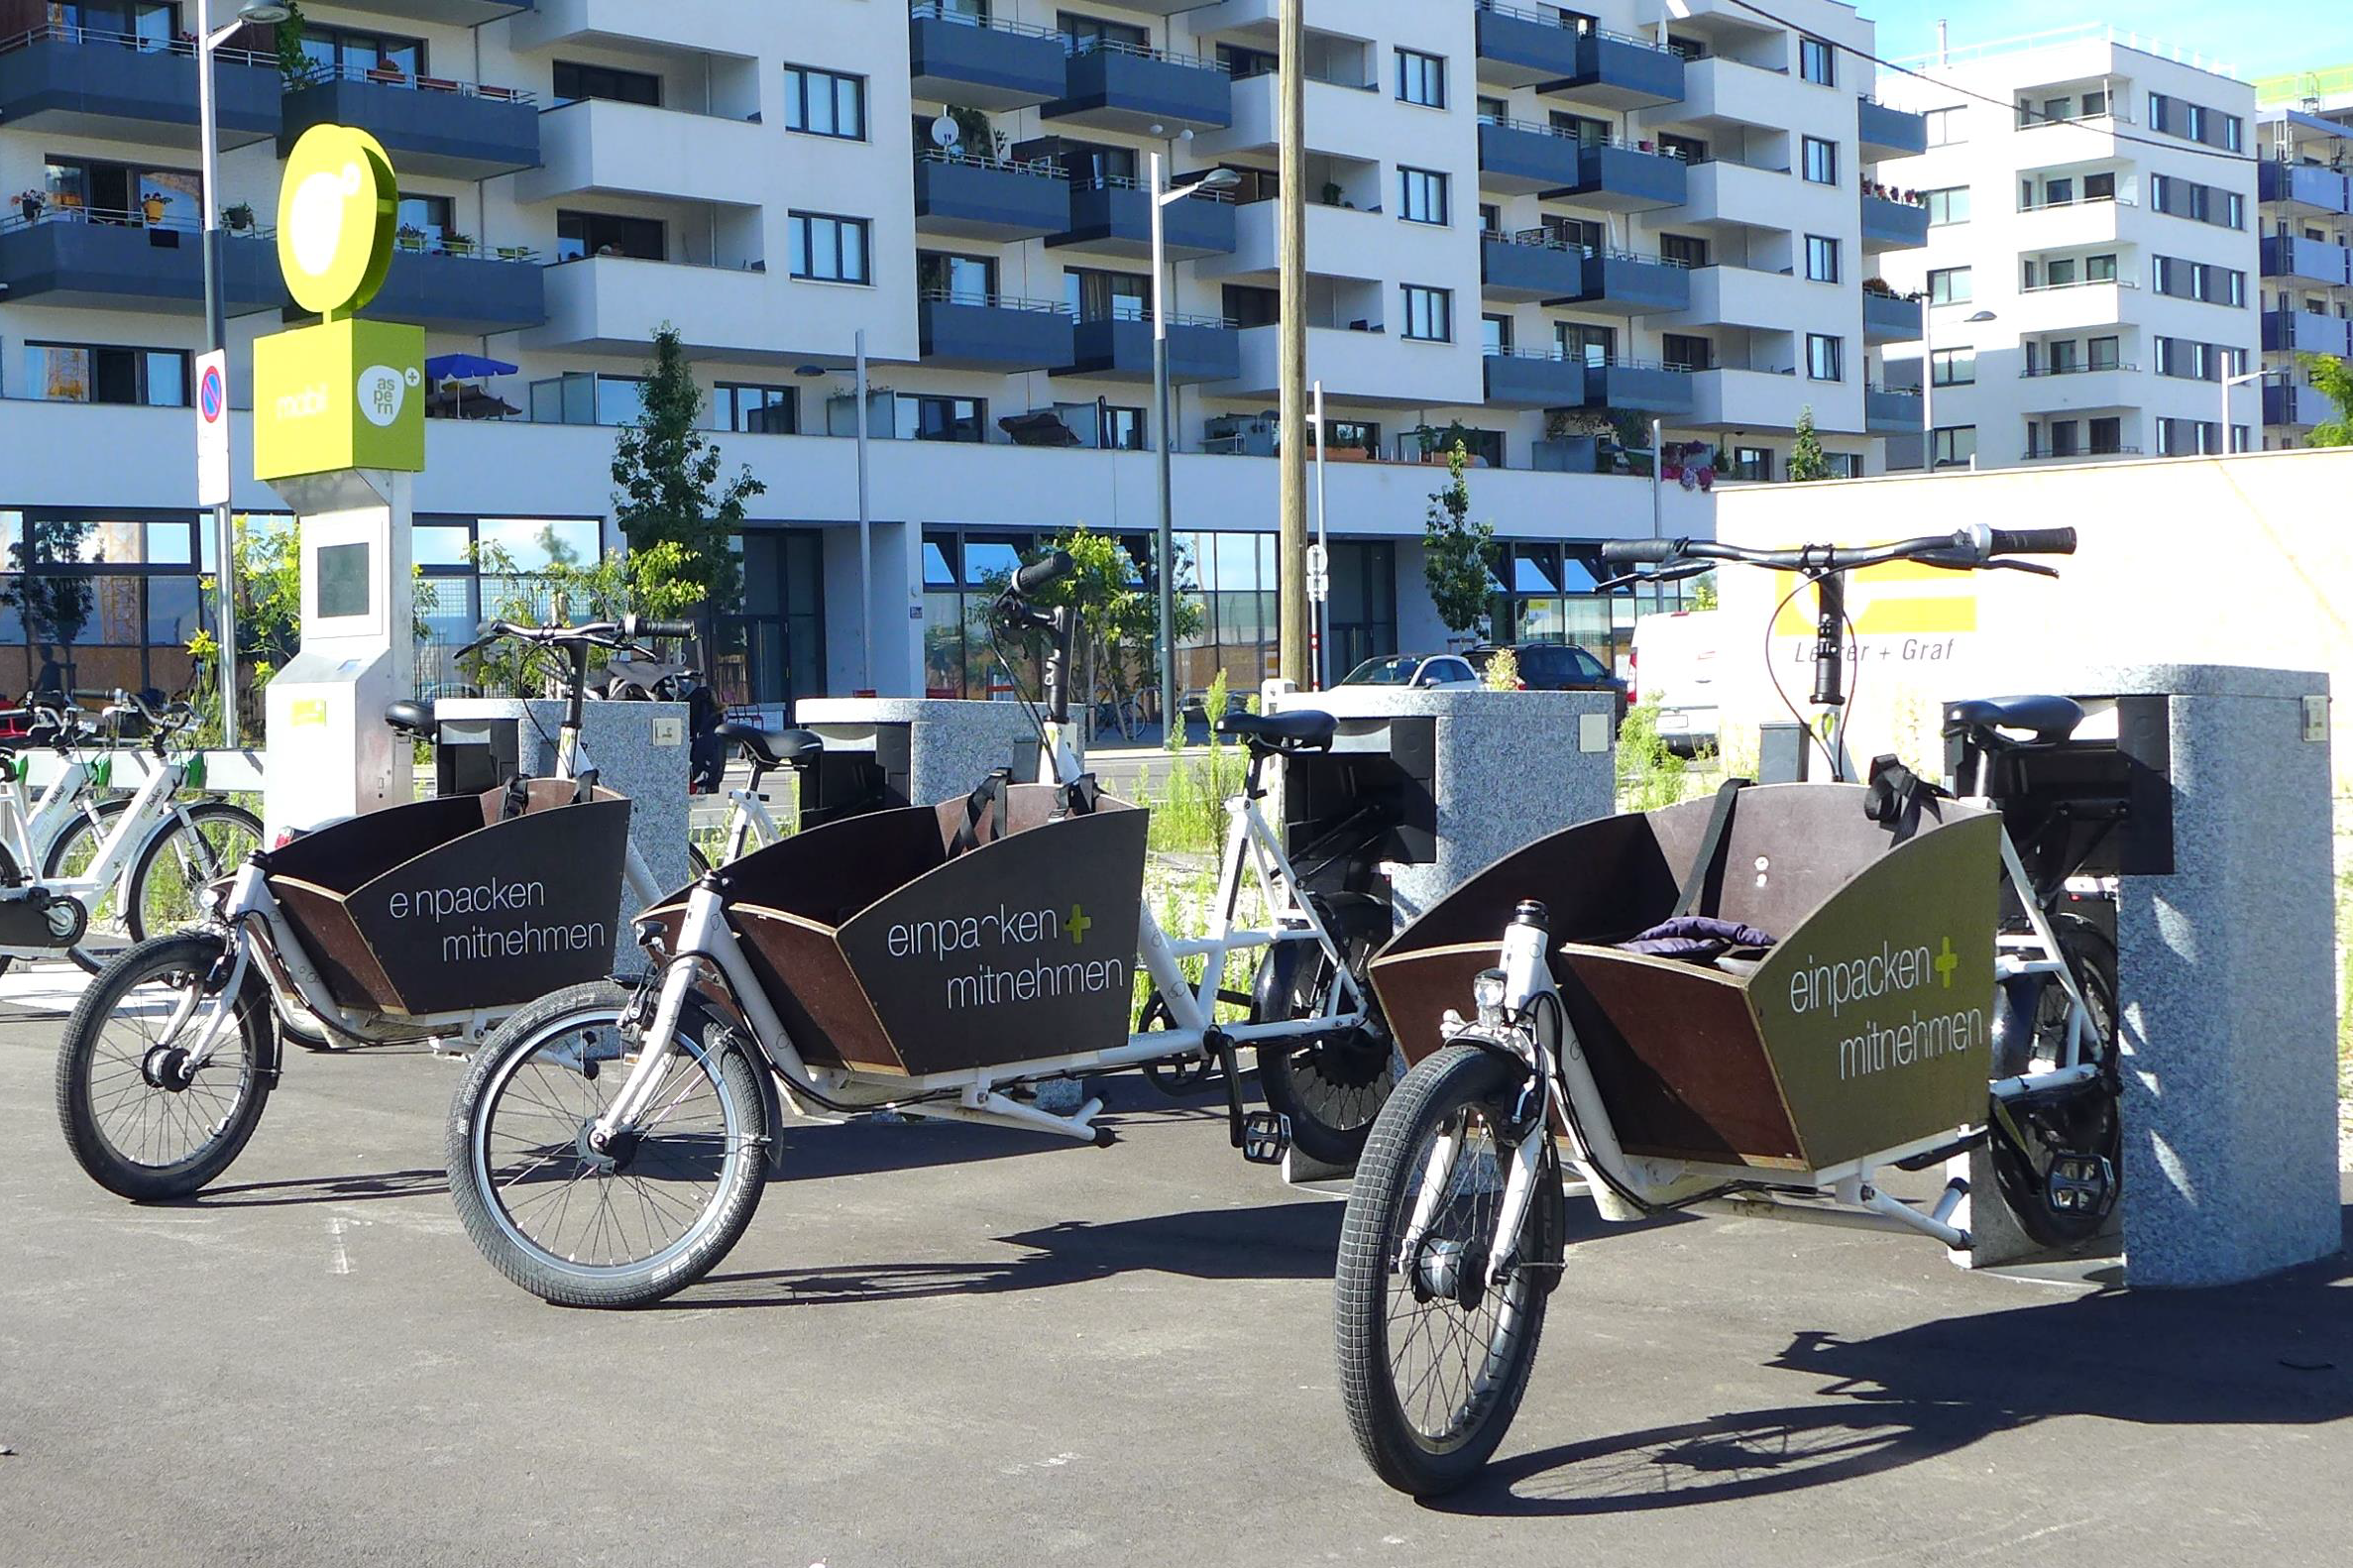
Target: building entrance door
{"x": 772, "y": 653}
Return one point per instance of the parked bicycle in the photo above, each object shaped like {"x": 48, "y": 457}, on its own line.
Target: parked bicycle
{"x": 113, "y": 866}
{"x": 1754, "y": 1004}
{"x": 610, "y": 1143}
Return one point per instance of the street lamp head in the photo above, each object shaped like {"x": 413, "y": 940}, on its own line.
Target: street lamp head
{"x": 264, "y": 11}
{"x": 1219, "y": 178}
{"x": 1983, "y": 316}
{"x": 810, "y": 371}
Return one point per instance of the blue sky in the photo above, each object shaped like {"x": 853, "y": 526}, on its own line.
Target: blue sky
{"x": 2256, "y": 38}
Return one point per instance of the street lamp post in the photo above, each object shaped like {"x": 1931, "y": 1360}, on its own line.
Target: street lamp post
{"x": 1172, "y": 709}
{"x": 1928, "y": 380}
{"x": 2228, "y": 381}
{"x": 216, "y": 320}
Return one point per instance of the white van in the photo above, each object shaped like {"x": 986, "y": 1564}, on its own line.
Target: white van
{"x": 1674, "y": 665}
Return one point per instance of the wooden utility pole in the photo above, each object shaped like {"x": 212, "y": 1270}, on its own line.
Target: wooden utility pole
{"x": 1291, "y": 254}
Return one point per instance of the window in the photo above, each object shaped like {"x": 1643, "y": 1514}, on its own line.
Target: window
{"x": 1084, "y": 35}
{"x": 923, "y": 417}
{"x": 1422, "y": 78}
{"x": 830, "y": 249}
{"x": 2062, "y": 439}
{"x": 1242, "y": 63}
{"x": 1495, "y": 335}
{"x": 2108, "y": 436}
{"x": 575, "y": 81}
{"x": 1754, "y": 463}
{"x": 754, "y": 408}
{"x": 1949, "y": 205}
{"x": 2060, "y": 271}
{"x": 2101, "y": 186}
{"x": 580, "y": 234}
{"x": 1816, "y": 62}
{"x": 351, "y": 53}
{"x": 825, "y": 103}
{"x": 423, "y": 220}
{"x": 1422, "y": 198}
{"x": 1949, "y": 286}
{"x": 1578, "y": 340}
{"x": 2099, "y": 268}
{"x": 2104, "y": 353}
{"x": 1688, "y": 249}
{"x": 1494, "y": 111}
{"x": 103, "y": 372}
{"x": 2160, "y": 115}
{"x": 1107, "y": 296}
{"x": 1953, "y": 367}
{"x": 1944, "y": 126}
{"x": 1430, "y": 314}
{"x": 585, "y": 397}
{"x": 959, "y": 279}
{"x": 1821, "y": 161}
{"x": 1686, "y": 352}
{"x": 2220, "y": 286}
{"x": 2062, "y": 358}
{"x": 1491, "y": 218}
{"x": 1822, "y": 356}
{"x": 1821, "y": 258}
{"x": 2095, "y": 104}
{"x": 1955, "y": 444}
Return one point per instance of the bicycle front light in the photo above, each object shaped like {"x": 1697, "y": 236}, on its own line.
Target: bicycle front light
{"x": 1488, "y": 993}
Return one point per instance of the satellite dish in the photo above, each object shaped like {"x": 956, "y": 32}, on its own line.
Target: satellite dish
{"x": 944, "y": 133}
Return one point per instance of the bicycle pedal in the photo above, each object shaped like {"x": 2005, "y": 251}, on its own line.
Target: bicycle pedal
{"x": 1266, "y": 1137}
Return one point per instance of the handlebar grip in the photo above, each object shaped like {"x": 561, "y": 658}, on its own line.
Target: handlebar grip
{"x": 635, "y": 628}
{"x": 1046, "y": 569}
{"x": 1639, "y": 552}
{"x": 2030, "y": 541}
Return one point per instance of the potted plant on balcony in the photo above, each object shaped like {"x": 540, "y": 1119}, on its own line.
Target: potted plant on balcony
{"x": 31, "y": 203}
{"x": 455, "y": 244}
{"x": 238, "y": 216}
{"x": 1332, "y": 192}
{"x": 1563, "y": 450}
{"x": 408, "y": 237}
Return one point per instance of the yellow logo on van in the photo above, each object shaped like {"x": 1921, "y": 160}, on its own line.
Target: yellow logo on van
{"x": 1902, "y": 598}
{"x": 336, "y": 211}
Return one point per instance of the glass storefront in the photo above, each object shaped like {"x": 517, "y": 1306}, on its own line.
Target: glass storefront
{"x": 1549, "y": 592}
{"x": 97, "y": 599}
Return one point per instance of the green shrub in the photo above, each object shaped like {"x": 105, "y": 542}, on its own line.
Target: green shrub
{"x": 1650, "y": 774}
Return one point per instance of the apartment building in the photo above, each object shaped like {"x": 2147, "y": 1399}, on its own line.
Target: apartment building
{"x": 2090, "y": 275}
{"x": 2304, "y": 137}
{"x": 1534, "y": 229}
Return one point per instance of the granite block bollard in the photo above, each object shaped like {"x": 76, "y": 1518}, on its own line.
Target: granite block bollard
{"x": 931, "y": 749}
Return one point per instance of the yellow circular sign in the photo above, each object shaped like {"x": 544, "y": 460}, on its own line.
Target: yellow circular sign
{"x": 335, "y": 216}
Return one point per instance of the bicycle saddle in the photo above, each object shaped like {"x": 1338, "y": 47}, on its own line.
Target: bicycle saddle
{"x": 773, "y": 748}
{"x": 410, "y": 717}
{"x": 2048, "y": 720}
{"x": 1303, "y": 729}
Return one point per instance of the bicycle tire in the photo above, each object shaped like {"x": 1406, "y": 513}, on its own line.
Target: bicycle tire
{"x": 2087, "y": 1119}
{"x": 84, "y": 1123}
{"x": 212, "y": 862}
{"x": 87, "y": 957}
{"x": 1333, "y": 1089}
{"x": 1379, "y": 1202}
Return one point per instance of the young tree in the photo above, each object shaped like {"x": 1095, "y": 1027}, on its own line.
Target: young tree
{"x": 1118, "y": 621}
{"x": 1458, "y": 556}
{"x": 1806, "y": 459}
{"x": 2332, "y": 378}
{"x": 671, "y": 491}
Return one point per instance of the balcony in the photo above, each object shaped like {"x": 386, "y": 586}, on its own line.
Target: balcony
{"x": 2059, "y": 307}
{"x": 1639, "y": 387}
{"x": 91, "y": 258}
{"x": 1889, "y": 319}
{"x": 2087, "y": 220}
{"x": 2300, "y": 406}
{"x": 1886, "y": 412}
{"x": 1120, "y": 87}
{"x": 1534, "y": 379}
{"x": 2308, "y": 188}
{"x": 601, "y": 146}
{"x": 958, "y": 330}
{"x": 712, "y": 28}
{"x": 1888, "y": 133}
{"x": 1889, "y": 224}
{"x": 1343, "y": 242}
{"x": 1519, "y": 158}
{"x": 1754, "y": 298}
{"x": 983, "y": 64}
{"x": 1113, "y": 217}
{"x": 463, "y": 290}
{"x": 2073, "y": 388}
{"x": 2305, "y": 261}
{"x": 990, "y": 199}
{"x": 1734, "y": 399}
{"x": 82, "y": 82}
{"x": 1201, "y": 349}
{"x": 456, "y": 13}
{"x": 1532, "y": 266}
{"x": 431, "y": 125}
{"x": 1367, "y": 365}
{"x": 1520, "y": 48}
{"x": 2302, "y": 332}
{"x": 611, "y": 305}
{"x": 1722, "y": 192}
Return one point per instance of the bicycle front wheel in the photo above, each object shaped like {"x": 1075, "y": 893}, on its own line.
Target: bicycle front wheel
{"x": 642, "y": 1218}
{"x": 197, "y": 845}
{"x": 139, "y": 1117}
{"x": 1434, "y": 1359}
{"x": 71, "y": 856}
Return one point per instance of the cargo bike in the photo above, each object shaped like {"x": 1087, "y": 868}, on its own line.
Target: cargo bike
{"x": 1757, "y": 1004}
{"x": 610, "y": 1143}
{"x": 424, "y": 922}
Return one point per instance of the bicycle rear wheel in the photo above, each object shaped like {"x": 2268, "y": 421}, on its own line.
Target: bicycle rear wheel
{"x": 198, "y": 844}
{"x": 70, "y": 857}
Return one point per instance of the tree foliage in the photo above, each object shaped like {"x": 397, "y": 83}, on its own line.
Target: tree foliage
{"x": 658, "y": 583}
{"x": 2332, "y": 378}
{"x": 670, "y": 487}
{"x": 1806, "y": 458}
{"x": 1458, "y": 556}
{"x": 1119, "y": 615}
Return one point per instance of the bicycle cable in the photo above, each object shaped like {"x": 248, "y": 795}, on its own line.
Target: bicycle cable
{"x": 1773, "y": 675}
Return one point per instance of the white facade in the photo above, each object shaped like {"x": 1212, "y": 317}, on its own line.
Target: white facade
{"x": 2096, "y": 204}
{"x": 2307, "y": 186}
{"x": 662, "y": 187}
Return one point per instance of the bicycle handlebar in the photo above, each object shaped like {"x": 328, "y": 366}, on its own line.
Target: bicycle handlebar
{"x": 1964, "y": 550}
{"x": 1043, "y": 572}
{"x": 633, "y": 629}
{"x": 2030, "y": 541}
{"x": 1638, "y": 552}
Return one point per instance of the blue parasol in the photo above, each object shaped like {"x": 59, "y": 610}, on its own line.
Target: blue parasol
{"x": 463, "y": 367}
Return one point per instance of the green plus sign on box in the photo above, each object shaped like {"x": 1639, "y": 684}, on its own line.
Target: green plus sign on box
{"x": 345, "y": 394}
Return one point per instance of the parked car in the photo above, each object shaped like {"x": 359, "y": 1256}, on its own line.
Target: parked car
{"x": 1557, "y": 667}
{"x": 1675, "y": 665}
{"x": 1428, "y": 671}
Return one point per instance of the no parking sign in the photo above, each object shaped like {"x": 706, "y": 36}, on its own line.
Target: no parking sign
{"x": 212, "y": 430}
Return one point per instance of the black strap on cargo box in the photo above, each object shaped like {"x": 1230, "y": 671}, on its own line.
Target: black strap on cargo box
{"x": 1703, "y": 871}
{"x": 994, "y": 795}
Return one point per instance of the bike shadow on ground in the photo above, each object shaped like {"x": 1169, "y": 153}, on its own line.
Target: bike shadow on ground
{"x": 2277, "y": 1352}
{"x": 1288, "y": 1241}
{"x": 422, "y": 1183}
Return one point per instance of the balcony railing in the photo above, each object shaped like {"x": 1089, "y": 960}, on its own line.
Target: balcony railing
{"x": 2036, "y": 372}
{"x": 1547, "y": 239}
{"x": 1038, "y": 168}
{"x": 2073, "y": 282}
{"x": 314, "y": 72}
{"x": 1555, "y": 19}
{"x": 1131, "y": 182}
{"x": 1178, "y": 319}
{"x": 438, "y": 245}
{"x": 1075, "y": 47}
{"x": 1624, "y": 144}
{"x": 2048, "y": 202}
{"x": 56, "y": 210}
{"x": 939, "y": 294}
{"x": 931, "y": 11}
{"x": 184, "y": 46}
{"x": 2039, "y": 454}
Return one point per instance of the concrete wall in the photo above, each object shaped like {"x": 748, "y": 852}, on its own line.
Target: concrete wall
{"x": 2240, "y": 560}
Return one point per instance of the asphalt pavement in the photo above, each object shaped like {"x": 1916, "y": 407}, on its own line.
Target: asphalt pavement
{"x": 953, "y": 1345}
